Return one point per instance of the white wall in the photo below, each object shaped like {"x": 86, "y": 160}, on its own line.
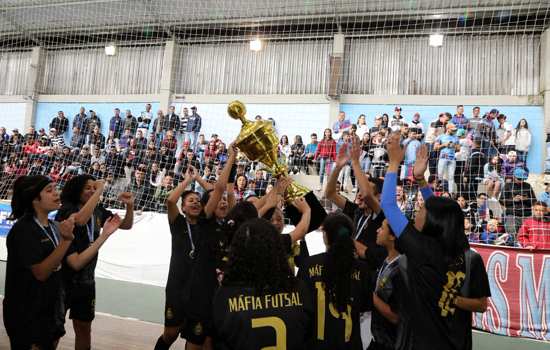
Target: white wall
{"x": 12, "y": 115}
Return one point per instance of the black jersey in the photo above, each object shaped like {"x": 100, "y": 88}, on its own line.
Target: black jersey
{"x": 180, "y": 260}
{"x": 334, "y": 329}
{"x": 435, "y": 322}
{"x": 211, "y": 255}
{"x": 32, "y": 309}
{"x": 84, "y": 236}
{"x": 244, "y": 319}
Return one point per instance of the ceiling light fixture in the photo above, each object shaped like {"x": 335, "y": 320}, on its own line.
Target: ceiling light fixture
{"x": 256, "y": 45}
{"x": 111, "y": 49}
{"x": 436, "y": 40}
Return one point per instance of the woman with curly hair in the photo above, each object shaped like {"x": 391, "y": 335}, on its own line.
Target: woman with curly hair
{"x": 260, "y": 304}
{"x": 339, "y": 283}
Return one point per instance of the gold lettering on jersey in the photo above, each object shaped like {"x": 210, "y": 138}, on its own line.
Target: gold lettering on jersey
{"x": 316, "y": 270}
{"x": 356, "y": 275}
{"x": 448, "y": 295}
{"x": 268, "y": 301}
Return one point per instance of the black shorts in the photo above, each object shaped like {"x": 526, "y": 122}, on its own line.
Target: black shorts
{"x": 173, "y": 309}
{"x": 195, "y": 332}
{"x": 81, "y": 302}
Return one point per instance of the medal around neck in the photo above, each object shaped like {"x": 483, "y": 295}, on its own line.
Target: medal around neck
{"x": 259, "y": 142}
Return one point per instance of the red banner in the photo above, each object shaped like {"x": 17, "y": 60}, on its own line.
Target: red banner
{"x": 520, "y": 289}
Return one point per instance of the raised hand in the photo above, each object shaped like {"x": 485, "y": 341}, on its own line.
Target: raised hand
{"x": 342, "y": 158}
{"x": 396, "y": 153}
{"x": 99, "y": 184}
{"x": 66, "y": 228}
{"x": 355, "y": 152}
{"x": 111, "y": 225}
{"x": 190, "y": 173}
{"x": 301, "y": 205}
{"x": 421, "y": 164}
{"x": 232, "y": 150}
{"x": 282, "y": 184}
{"x": 126, "y": 197}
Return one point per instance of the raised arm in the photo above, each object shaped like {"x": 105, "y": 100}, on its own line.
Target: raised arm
{"x": 85, "y": 213}
{"x": 221, "y": 184}
{"x": 330, "y": 191}
{"x": 365, "y": 186}
{"x": 175, "y": 194}
{"x": 271, "y": 199}
{"x": 419, "y": 171}
{"x": 300, "y": 230}
{"x": 79, "y": 260}
{"x": 397, "y": 220}
{"x": 128, "y": 199}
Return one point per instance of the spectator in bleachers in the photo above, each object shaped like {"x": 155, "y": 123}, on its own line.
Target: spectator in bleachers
{"x": 4, "y": 137}
{"x": 194, "y": 125}
{"x": 160, "y": 126}
{"x": 492, "y": 178}
{"x": 505, "y": 140}
{"x": 116, "y": 125}
{"x": 365, "y": 158}
{"x": 416, "y": 125}
{"x": 397, "y": 120}
{"x": 31, "y": 132}
{"x": 170, "y": 142}
{"x": 545, "y": 195}
{"x": 411, "y": 145}
{"x": 475, "y": 120}
{"x": 56, "y": 139}
{"x": 377, "y": 126}
{"x": 140, "y": 140}
{"x": 447, "y": 145}
{"x": 487, "y": 133}
{"x": 296, "y": 156}
{"x": 284, "y": 147}
{"x": 130, "y": 123}
{"x": 144, "y": 120}
{"x": 78, "y": 138}
{"x": 325, "y": 155}
{"x": 173, "y": 120}
{"x": 96, "y": 138}
{"x": 141, "y": 189}
{"x": 362, "y": 127}
{"x": 385, "y": 121}
{"x": 310, "y": 151}
{"x": 125, "y": 139}
{"x": 342, "y": 124}
{"x": 459, "y": 119}
{"x": 523, "y": 139}
{"x": 534, "y": 232}
{"x": 490, "y": 234}
{"x": 510, "y": 164}
{"x": 79, "y": 120}
{"x": 517, "y": 199}
{"x": 60, "y": 123}
{"x": 92, "y": 121}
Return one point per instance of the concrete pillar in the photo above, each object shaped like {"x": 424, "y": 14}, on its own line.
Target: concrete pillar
{"x": 34, "y": 79}
{"x": 545, "y": 76}
{"x": 336, "y": 75}
{"x": 167, "y": 77}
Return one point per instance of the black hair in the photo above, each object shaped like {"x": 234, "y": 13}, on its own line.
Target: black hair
{"x": 73, "y": 189}
{"x": 25, "y": 190}
{"x": 445, "y": 222}
{"x": 238, "y": 215}
{"x": 205, "y": 197}
{"x": 269, "y": 214}
{"x": 313, "y": 134}
{"x": 187, "y": 193}
{"x": 258, "y": 259}
{"x": 378, "y": 183}
{"x": 526, "y": 124}
{"x": 339, "y": 260}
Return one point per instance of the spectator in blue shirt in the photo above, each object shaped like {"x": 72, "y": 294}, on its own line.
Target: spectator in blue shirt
{"x": 490, "y": 234}
{"x": 341, "y": 125}
{"x": 116, "y": 125}
{"x": 411, "y": 145}
{"x": 459, "y": 119}
{"x": 310, "y": 150}
{"x": 447, "y": 145}
{"x": 545, "y": 196}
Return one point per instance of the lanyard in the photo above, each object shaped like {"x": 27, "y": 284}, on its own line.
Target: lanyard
{"x": 90, "y": 228}
{"x": 192, "y": 252}
{"x": 361, "y": 225}
{"x": 53, "y": 237}
{"x": 385, "y": 267}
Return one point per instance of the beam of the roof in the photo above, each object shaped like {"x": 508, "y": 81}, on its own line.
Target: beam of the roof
{"x": 22, "y": 30}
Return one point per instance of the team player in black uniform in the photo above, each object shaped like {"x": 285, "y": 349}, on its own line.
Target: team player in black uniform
{"x": 366, "y": 212}
{"x": 80, "y": 198}
{"x": 212, "y": 246}
{"x": 185, "y": 232}
{"x": 260, "y": 303}
{"x": 388, "y": 293}
{"x": 436, "y": 250}
{"x": 340, "y": 286}
{"x": 33, "y": 305}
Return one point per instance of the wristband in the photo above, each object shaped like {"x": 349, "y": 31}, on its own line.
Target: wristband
{"x": 421, "y": 181}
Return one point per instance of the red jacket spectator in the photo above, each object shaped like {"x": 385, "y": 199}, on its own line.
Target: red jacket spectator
{"x": 535, "y": 231}
{"x": 326, "y": 149}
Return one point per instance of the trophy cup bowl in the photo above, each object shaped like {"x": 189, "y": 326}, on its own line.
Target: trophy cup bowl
{"x": 259, "y": 142}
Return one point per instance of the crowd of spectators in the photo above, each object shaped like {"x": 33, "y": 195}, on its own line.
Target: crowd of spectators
{"x": 479, "y": 160}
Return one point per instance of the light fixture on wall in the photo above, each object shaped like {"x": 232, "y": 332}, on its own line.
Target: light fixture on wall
{"x": 436, "y": 40}
{"x": 110, "y": 49}
{"x": 256, "y": 45}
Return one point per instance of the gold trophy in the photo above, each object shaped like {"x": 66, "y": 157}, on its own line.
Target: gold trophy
{"x": 259, "y": 142}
